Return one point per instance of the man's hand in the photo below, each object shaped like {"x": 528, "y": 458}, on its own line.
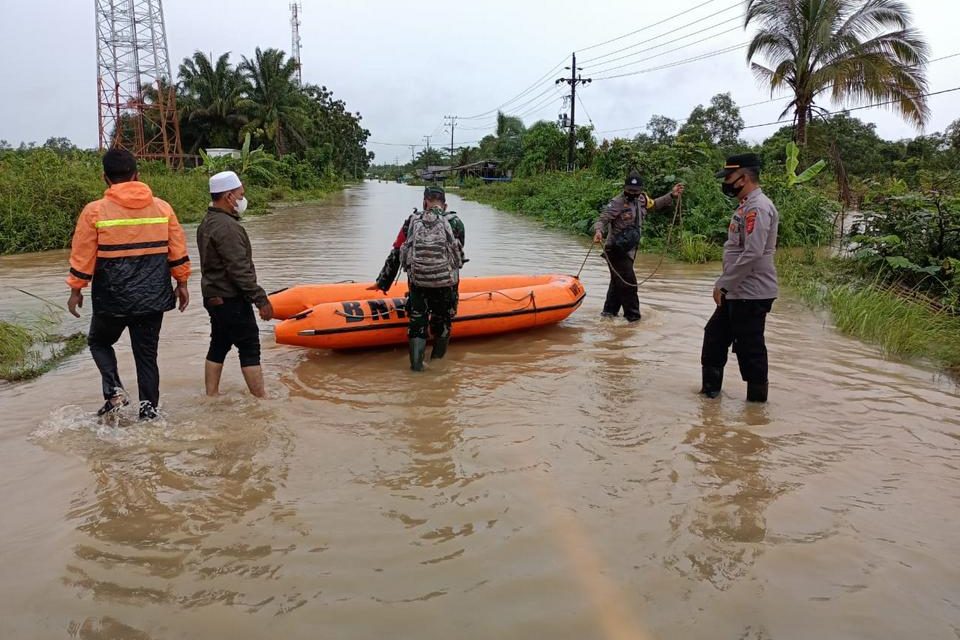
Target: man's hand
{"x": 677, "y": 190}
{"x": 183, "y": 296}
{"x": 717, "y": 296}
{"x": 75, "y": 300}
{"x": 266, "y": 311}
{"x": 598, "y": 237}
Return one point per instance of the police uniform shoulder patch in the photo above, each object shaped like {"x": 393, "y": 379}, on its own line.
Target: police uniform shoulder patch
{"x": 751, "y": 221}
{"x": 650, "y": 204}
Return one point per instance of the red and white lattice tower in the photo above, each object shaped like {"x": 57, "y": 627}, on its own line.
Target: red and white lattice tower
{"x": 295, "y": 9}
{"x": 136, "y": 100}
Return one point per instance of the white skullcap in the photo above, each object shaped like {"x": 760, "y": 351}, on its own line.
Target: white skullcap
{"x": 224, "y": 181}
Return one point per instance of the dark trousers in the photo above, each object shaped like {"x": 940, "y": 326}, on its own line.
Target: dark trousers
{"x": 232, "y": 324}
{"x": 739, "y": 323}
{"x": 144, "y": 337}
{"x": 433, "y": 307}
{"x": 622, "y": 292}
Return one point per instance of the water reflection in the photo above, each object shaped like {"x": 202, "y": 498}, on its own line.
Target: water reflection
{"x": 183, "y": 521}
{"x": 734, "y": 487}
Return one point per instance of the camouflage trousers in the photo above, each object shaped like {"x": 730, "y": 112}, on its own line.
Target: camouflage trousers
{"x": 431, "y": 307}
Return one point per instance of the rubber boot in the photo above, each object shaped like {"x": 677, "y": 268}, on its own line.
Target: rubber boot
{"x": 712, "y": 381}
{"x": 757, "y": 391}
{"x": 418, "y": 347}
{"x": 440, "y": 347}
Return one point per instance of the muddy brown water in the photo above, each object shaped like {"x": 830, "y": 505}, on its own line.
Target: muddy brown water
{"x": 561, "y": 483}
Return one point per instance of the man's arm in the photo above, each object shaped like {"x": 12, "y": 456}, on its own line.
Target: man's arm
{"x": 83, "y": 256}
{"x": 757, "y": 229}
{"x": 177, "y": 258}
{"x": 609, "y": 213}
{"x": 391, "y": 266}
{"x": 459, "y": 231}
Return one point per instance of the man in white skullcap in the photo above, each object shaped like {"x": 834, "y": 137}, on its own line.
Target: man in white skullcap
{"x": 229, "y": 285}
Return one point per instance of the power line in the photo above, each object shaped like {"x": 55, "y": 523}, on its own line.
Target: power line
{"x": 663, "y": 53}
{"x": 860, "y": 108}
{"x": 523, "y": 93}
{"x": 539, "y": 106}
{"x": 672, "y": 32}
{"x": 649, "y": 26}
{"x": 589, "y": 119}
{"x": 677, "y": 63}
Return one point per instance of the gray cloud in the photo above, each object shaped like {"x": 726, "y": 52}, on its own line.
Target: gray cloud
{"x": 403, "y": 66}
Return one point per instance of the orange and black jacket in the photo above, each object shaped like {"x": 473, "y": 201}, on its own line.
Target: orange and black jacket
{"x": 129, "y": 244}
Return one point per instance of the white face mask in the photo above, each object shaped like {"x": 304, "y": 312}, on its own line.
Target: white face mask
{"x": 241, "y": 205}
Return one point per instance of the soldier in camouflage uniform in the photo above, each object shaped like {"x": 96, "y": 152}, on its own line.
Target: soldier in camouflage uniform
{"x": 433, "y": 295}
{"x": 745, "y": 292}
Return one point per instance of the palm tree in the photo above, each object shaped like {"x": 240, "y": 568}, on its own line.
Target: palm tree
{"x": 275, "y": 104}
{"x": 857, "y": 50}
{"x": 211, "y": 94}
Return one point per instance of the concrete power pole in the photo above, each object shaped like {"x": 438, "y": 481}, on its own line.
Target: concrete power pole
{"x": 453, "y": 125}
{"x": 573, "y": 81}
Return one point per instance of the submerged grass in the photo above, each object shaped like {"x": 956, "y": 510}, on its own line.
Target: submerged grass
{"x": 28, "y": 352}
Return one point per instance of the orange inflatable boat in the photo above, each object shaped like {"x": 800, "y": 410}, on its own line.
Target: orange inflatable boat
{"x": 350, "y": 316}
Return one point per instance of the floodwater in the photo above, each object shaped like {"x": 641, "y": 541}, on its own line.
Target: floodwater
{"x": 562, "y": 483}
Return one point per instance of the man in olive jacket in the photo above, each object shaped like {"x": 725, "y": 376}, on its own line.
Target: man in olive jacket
{"x": 229, "y": 285}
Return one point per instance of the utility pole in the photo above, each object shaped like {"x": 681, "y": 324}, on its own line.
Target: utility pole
{"x": 573, "y": 81}
{"x": 427, "y": 138}
{"x": 453, "y": 125}
{"x": 413, "y": 149}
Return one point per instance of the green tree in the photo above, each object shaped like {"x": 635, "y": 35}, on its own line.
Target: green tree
{"x": 662, "y": 129}
{"x": 209, "y": 95}
{"x": 719, "y": 124}
{"x": 274, "y": 104}
{"x": 857, "y": 50}
{"x": 544, "y": 149}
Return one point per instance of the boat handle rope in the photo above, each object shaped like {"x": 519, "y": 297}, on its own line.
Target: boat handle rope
{"x": 531, "y": 299}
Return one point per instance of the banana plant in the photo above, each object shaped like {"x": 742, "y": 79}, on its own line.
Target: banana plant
{"x": 793, "y": 161}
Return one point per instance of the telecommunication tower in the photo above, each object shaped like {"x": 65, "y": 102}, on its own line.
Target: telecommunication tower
{"x": 295, "y": 9}
{"x": 136, "y": 102}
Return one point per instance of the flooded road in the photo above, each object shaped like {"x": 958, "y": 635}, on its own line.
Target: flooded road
{"x": 562, "y": 483}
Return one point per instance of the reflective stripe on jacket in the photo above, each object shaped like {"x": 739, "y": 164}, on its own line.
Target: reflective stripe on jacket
{"x": 129, "y": 244}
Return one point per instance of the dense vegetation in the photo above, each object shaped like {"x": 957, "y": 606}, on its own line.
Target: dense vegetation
{"x": 295, "y": 143}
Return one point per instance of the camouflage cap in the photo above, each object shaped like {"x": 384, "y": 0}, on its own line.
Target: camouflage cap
{"x": 434, "y": 192}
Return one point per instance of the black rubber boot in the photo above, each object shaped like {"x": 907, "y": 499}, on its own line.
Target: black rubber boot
{"x": 712, "y": 381}
{"x": 757, "y": 391}
{"x": 418, "y": 347}
{"x": 440, "y": 347}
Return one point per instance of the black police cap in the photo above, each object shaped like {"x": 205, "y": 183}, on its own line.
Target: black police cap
{"x": 634, "y": 181}
{"x": 740, "y": 161}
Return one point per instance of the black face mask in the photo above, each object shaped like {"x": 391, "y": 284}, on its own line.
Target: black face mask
{"x": 631, "y": 196}
{"x": 731, "y": 190}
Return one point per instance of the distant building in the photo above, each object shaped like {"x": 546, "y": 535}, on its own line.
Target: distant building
{"x": 486, "y": 170}
{"x": 220, "y": 152}
{"x": 434, "y": 172}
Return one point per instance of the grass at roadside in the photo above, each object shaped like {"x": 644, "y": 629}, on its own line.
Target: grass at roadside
{"x": 902, "y": 323}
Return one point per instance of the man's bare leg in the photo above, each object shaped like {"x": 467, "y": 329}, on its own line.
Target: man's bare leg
{"x": 254, "y": 378}
{"x": 211, "y": 377}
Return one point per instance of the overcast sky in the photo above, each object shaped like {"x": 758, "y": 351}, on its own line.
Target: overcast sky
{"x": 404, "y": 65}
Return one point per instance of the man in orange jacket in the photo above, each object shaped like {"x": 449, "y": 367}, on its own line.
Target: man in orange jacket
{"x": 128, "y": 244}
